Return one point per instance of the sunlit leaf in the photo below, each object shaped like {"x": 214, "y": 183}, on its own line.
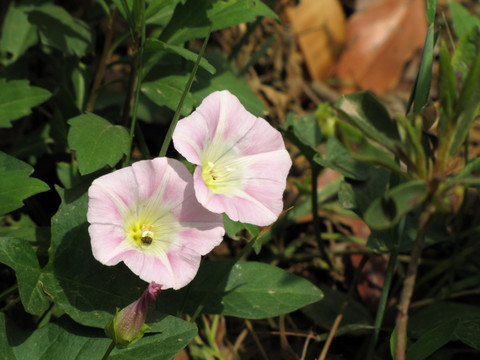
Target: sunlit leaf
{"x": 249, "y": 289}
{"x": 154, "y": 45}
{"x": 192, "y": 20}
{"x": 55, "y": 340}
{"x": 97, "y": 142}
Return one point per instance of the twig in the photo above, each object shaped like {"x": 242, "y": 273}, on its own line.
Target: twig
{"x": 256, "y": 339}
{"x": 339, "y": 317}
{"x": 103, "y": 63}
{"x": 409, "y": 282}
{"x": 310, "y": 336}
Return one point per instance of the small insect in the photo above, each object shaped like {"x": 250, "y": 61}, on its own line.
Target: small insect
{"x": 147, "y": 240}
{"x": 147, "y": 235}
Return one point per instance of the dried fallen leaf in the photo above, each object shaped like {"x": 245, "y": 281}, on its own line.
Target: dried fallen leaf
{"x": 320, "y": 28}
{"x": 381, "y": 40}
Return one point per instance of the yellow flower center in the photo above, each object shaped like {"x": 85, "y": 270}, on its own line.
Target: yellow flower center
{"x": 140, "y": 233}
{"x": 219, "y": 177}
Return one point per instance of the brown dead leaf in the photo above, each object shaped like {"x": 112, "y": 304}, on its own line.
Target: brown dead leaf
{"x": 381, "y": 40}
{"x": 320, "y": 28}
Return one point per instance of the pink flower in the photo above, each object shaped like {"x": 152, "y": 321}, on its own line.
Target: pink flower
{"x": 242, "y": 160}
{"x": 128, "y": 324}
{"x": 147, "y": 216}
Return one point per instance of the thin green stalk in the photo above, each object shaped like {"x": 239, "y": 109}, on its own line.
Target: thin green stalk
{"x": 10, "y": 304}
{"x": 316, "y": 220}
{"x": 387, "y": 283}
{"x": 176, "y": 116}
{"x": 109, "y": 350}
{"x": 138, "y": 64}
{"x": 382, "y": 304}
{"x": 9, "y": 291}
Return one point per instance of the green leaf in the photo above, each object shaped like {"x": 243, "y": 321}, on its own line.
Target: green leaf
{"x": 431, "y": 316}
{"x": 15, "y": 183}
{"x": 387, "y": 210}
{"x": 55, "y": 340}
{"x": 338, "y": 159}
{"x": 97, "y": 142}
{"x": 17, "y": 99}
{"x": 232, "y": 228}
{"x": 431, "y": 7}
{"x": 466, "y": 52}
{"x": 304, "y": 133}
{"x": 424, "y": 77}
{"x": 468, "y": 332}
{"x": 19, "y": 255}
{"x": 362, "y": 149}
{"x": 324, "y": 313}
{"x": 462, "y": 20}
{"x": 154, "y": 45}
{"x": 432, "y": 341}
{"x": 468, "y": 105}
{"x": 192, "y": 19}
{"x": 225, "y": 79}
{"x": 167, "y": 91}
{"x": 250, "y": 290}
{"x": 159, "y": 12}
{"x": 448, "y": 84}
{"x": 58, "y": 29}
{"x": 382, "y": 242}
{"x": 469, "y": 175}
{"x": 365, "y": 112}
{"x": 360, "y": 194}
{"x": 17, "y": 33}
{"x": 25, "y": 229}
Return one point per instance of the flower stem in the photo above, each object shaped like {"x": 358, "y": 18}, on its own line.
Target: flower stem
{"x": 109, "y": 350}
{"x": 176, "y": 116}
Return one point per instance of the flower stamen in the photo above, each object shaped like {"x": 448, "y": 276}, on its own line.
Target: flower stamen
{"x": 147, "y": 235}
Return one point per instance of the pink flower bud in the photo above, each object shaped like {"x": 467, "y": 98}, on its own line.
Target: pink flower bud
{"x": 128, "y": 324}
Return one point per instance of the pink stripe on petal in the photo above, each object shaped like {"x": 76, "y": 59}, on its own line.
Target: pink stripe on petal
{"x": 101, "y": 208}
{"x": 190, "y": 136}
{"x": 122, "y": 183}
{"x": 202, "y": 240}
{"x": 107, "y": 242}
{"x": 262, "y": 137}
{"x": 184, "y": 263}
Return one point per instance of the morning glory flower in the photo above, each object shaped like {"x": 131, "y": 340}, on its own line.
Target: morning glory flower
{"x": 242, "y": 163}
{"x": 147, "y": 216}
